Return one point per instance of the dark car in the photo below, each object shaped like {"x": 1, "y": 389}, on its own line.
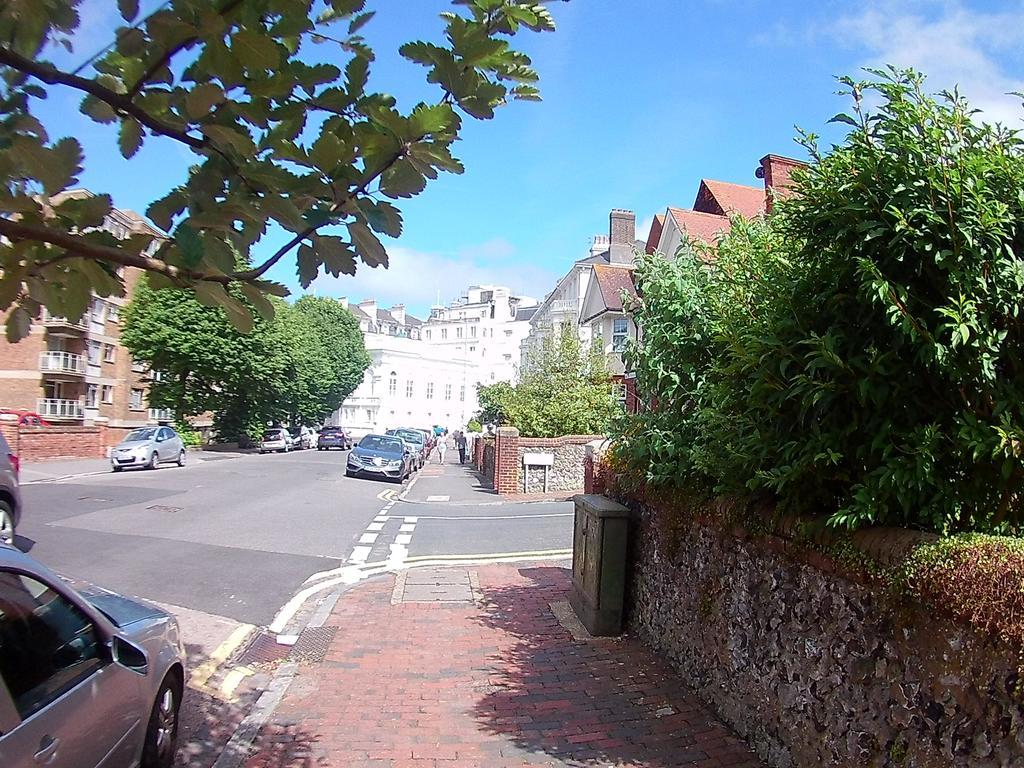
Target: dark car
{"x": 380, "y": 456}
{"x": 333, "y": 437}
{"x": 416, "y": 442}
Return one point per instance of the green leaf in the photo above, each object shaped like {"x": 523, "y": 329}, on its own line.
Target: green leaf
{"x": 259, "y": 300}
{"x": 129, "y": 9}
{"x": 382, "y": 216}
{"x": 98, "y": 110}
{"x": 308, "y": 265}
{"x": 86, "y": 212}
{"x": 842, "y": 117}
{"x": 19, "y": 323}
{"x": 190, "y": 243}
{"x": 214, "y": 295}
{"x": 163, "y": 211}
{"x": 130, "y": 138}
{"x": 367, "y": 245}
{"x": 335, "y": 255}
{"x": 402, "y": 180}
{"x": 228, "y": 137}
{"x": 359, "y": 21}
{"x": 256, "y": 52}
{"x": 201, "y": 99}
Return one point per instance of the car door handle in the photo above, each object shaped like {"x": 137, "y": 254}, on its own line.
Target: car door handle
{"x": 47, "y": 750}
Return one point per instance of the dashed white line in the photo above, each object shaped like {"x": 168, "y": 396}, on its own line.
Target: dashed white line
{"x": 359, "y": 554}
{"x": 368, "y": 538}
{"x": 404, "y": 539}
{"x": 407, "y": 528}
{"x": 375, "y": 527}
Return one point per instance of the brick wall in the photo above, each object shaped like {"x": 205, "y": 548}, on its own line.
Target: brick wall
{"x": 506, "y": 460}
{"x": 40, "y": 443}
{"x": 508, "y": 477}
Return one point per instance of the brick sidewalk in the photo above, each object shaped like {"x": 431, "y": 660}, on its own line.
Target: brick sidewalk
{"x": 495, "y": 683}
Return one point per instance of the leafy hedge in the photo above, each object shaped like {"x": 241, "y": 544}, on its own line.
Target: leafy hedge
{"x": 860, "y": 351}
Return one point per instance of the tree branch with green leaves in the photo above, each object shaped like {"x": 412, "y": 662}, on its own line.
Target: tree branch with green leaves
{"x": 273, "y": 99}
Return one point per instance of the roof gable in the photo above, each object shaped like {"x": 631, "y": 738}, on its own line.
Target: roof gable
{"x": 723, "y": 198}
{"x": 698, "y": 225}
{"x": 604, "y": 294}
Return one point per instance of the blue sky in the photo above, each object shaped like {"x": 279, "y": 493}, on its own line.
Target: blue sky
{"x": 641, "y": 100}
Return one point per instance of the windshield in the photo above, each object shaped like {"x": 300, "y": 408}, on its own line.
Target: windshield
{"x": 382, "y": 444}
{"x": 272, "y": 434}
{"x": 296, "y": 431}
{"x": 138, "y": 435}
{"x": 410, "y": 436}
{"x": 330, "y": 431}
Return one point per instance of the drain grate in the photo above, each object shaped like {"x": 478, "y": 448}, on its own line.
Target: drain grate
{"x": 264, "y": 649}
{"x": 162, "y": 508}
{"x": 312, "y": 644}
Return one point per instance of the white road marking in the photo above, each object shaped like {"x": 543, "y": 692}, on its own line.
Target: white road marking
{"x": 359, "y": 555}
{"x": 438, "y": 498}
{"x": 380, "y": 519}
{"x": 411, "y": 519}
{"x": 404, "y": 539}
{"x": 368, "y": 538}
{"x": 494, "y": 517}
{"x": 407, "y": 528}
{"x": 375, "y": 527}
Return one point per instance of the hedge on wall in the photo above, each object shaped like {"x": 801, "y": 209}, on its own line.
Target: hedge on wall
{"x": 861, "y": 350}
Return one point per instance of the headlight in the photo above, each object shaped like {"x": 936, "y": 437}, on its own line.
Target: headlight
{"x": 394, "y": 464}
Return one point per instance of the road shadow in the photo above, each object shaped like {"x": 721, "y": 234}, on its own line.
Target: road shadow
{"x": 208, "y": 721}
{"x": 603, "y": 701}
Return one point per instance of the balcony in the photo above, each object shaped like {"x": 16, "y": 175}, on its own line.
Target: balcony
{"x": 161, "y": 414}
{"x": 62, "y": 362}
{"x": 57, "y": 322}
{"x": 565, "y": 306}
{"x": 68, "y": 410}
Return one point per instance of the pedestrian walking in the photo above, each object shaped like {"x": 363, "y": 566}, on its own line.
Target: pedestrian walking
{"x": 460, "y": 443}
{"x": 441, "y": 448}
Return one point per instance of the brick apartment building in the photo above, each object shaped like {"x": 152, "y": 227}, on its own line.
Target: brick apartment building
{"x": 77, "y": 373}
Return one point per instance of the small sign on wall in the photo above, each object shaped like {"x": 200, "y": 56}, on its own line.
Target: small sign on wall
{"x": 538, "y": 459}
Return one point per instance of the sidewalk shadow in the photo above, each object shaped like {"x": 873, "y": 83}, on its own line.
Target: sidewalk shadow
{"x": 207, "y": 723}
{"x": 604, "y": 700}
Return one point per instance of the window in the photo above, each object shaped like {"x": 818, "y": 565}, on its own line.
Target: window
{"x": 135, "y": 403}
{"x": 462, "y": 392}
{"x": 91, "y": 393}
{"x": 620, "y": 332}
{"x": 430, "y": 390}
{"x": 472, "y": 349}
{"x": 393, "y": 384}
{"x": 408, "y": 388}
{"x": 508, "y": 357}
{"x": 472, "y": 331}
{"x": 108, "y": 353}
{"x": 49, "y": 644}
{"x": 138, "y": 366}
{"x": 98, "y": 311}
{"x": 369, "y": 414}
{"x": 113, "y": 313}
{"x": 92, "y": 352}
{"x": 428, "y": 334}
{"x": 458, "y": 332}
{"x": 444, "y": 333}
{"x": 107, "y": 393}
{"x": 447, "y": 391}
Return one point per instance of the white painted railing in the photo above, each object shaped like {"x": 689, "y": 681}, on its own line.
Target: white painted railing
{"x": 50, "y": 408}
{"x": 61, "y": 362}
{"x": 161, "y": 414}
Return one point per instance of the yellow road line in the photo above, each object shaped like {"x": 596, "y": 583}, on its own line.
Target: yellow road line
{"x": 202, "y": 674}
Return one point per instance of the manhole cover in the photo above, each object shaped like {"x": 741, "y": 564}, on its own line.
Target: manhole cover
{"x": 162, "y": 508}
{"x": 312, "y": 644}
{"x": 264, "y": 649}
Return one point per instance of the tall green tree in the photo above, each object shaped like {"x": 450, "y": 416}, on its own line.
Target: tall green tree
{"x": 272, "y": 100}
{"x": 564, "y": 389}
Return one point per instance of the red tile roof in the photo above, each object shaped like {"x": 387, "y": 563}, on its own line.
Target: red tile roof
{"x": 655, "y": 234}
{"x": 613, "y": 282}
{"x": 730, "y": 198}
{"x": 700, "y": 226}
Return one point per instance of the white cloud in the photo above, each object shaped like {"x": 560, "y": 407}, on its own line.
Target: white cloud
{"x": 418, "y": 278}
{"x": 949, "y": 42}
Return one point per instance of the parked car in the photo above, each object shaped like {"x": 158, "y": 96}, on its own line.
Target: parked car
{"x": 89, "y": 678}
{"x": 333, "y": 437}
{"x": 380, "y": 456}
{"x": 416, "y": 442}
{"x": 23, "y": 418}
{"x": 10, "y": 493}
{"x": 276, "y": 439}
{"x": 302, "y": 437}
{"x": 148, "y": 447}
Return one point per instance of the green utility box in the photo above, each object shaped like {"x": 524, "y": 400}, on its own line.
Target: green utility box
{"x": 599, "y": 563}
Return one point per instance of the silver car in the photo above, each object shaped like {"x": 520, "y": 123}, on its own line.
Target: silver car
{"x": 10, "y": 494}
{"x": 148, "y": 447}
{"x": 87, "y": 678}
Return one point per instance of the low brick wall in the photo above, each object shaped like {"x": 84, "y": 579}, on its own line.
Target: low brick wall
{"x": 56, "y": 442}
{"x": 568, "y": 471}
{"x": 815, "y": 668}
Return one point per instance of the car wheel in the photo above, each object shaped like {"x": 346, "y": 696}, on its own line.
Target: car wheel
{"x": 116, "y": 468}
{"x": 349, "y": 474}
{"x": 154, "y": 460}
{"x": 162, "y": 731}
{"x": 181, "y": 458}
{"x": 6, "y": 523}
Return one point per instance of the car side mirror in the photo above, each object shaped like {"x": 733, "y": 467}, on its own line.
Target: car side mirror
{"x": 128, "y": 655}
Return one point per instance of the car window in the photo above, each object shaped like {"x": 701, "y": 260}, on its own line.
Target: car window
{"x": 271, "y": 434}
{"x": 384, "y": 444}
{"x": 140, "y": 434}
{"x": 165, "y": 434}
{"x": 47, "y": 643}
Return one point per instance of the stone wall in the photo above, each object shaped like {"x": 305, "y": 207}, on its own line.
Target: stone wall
{"x": 568, "y": 470}
{"x": 56, "y": 442}
{"x": 814, "y": 668}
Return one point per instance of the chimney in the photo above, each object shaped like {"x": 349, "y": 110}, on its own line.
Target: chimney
{"x": 369, "y": 306}
{"x": 398, "y": 312}
{"x": 622, "y": 236}
{"x": 343, "y": 301}
{"x": 776, "y": 170}
{"x": 598, "y": 245}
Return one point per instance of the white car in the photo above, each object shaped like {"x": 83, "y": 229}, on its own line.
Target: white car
{"x": 276, "y": 439}
{"x": 302, "y": 437}
{"x": 88, "y": 678}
